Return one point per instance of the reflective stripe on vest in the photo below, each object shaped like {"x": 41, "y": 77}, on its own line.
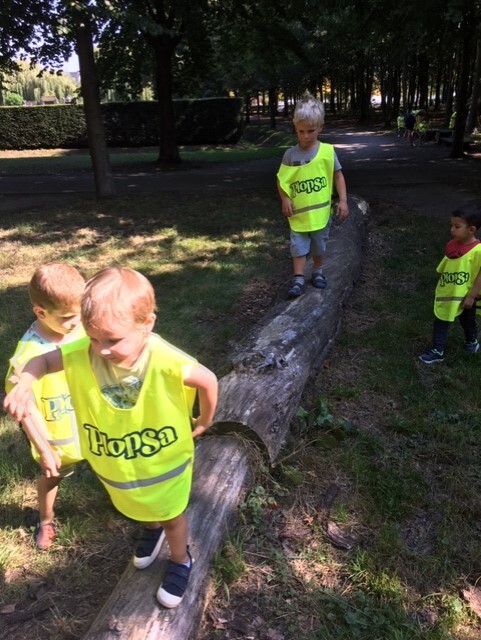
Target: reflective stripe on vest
{"x": 136, "y": 484}
{"x": 309, "y": 186}
{"x": 61, "y": 443}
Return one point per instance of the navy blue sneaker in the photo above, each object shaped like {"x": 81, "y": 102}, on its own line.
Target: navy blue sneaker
{"x": 472, "y": 347}
{"x": 175, "y": 583}
{"x": 432, "y": 356}
{"x": 148, "y": 547}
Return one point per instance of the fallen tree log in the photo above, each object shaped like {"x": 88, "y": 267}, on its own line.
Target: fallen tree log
{"x": 259, "y": 397}
{"x": 271, "y": 367}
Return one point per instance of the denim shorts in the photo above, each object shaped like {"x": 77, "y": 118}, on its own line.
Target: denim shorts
{"x": 305, "y": 242}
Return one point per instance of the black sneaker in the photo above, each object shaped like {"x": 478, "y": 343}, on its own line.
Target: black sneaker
{"x": 148, "y": 547}
{"x": 175, "y": 583}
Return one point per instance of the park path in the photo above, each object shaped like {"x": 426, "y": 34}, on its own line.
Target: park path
{"x": 377, "y": 166}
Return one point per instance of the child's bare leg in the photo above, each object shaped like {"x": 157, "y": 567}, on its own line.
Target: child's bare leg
{"x": 298, "y": 281}
{"x": 299, "y": 265}
{"x": 176, "y": 532}
{"x": 47, "y": 489}
{"x": 318, "y": 279}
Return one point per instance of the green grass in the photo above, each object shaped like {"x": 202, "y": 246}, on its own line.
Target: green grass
{"x": 401, "y": 441}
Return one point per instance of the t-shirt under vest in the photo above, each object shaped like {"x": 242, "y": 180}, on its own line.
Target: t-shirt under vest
{"x": 142, "y": 454}
{"x": 457, "y": 276}
{"x": 309, "y": 186}
{"x": 52, "y": 395}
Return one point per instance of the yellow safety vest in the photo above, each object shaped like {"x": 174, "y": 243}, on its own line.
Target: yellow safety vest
{"x": 309, "y": 186}
{"x": 456, "y": 279}
{"x": 52, "y": 397}
{"x": 143, "y": 455}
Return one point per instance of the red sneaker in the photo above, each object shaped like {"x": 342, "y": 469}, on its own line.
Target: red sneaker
{"x": 44, "y": 535}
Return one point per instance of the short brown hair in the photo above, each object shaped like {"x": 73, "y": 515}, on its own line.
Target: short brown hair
{"x": 56, "y": 285}
{"x": 118, "y": 293}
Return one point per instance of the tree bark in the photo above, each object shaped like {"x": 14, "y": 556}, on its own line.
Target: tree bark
{"x": 104, "y": 180}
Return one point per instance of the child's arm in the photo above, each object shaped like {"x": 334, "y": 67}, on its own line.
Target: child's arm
{"x": 286, "y": 202}
{"x": 34, "y": 428}
{"x": 342, "y": 208}
{"x": 18, "y": 401}
{"x": 202, "y": 379}
{"x": 470, "y": 299}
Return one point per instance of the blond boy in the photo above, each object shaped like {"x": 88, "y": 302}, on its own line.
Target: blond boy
{"x": 305, "y": 184}
{"x": 133, "y": 395}
{"x": 55, "y": 291}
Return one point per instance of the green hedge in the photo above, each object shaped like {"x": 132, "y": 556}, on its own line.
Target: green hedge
{"x": 134, "y": 124}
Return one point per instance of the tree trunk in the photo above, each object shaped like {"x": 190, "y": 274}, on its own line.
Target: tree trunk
{"x": 272, "y": 93}
{"x": 168, "y": 150}
{"x": 466, "y": 35}
{"x": 104, "y": 181}
{"x": 473, "y": 110}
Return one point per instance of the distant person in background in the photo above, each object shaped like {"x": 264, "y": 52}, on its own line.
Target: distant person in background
{"x": 400, "y": 125}
{"x": 305, "y": 181}
{"x": 452, "y": 120}
{"x": 409, "y": 123}
{"x": 459, "y": 283}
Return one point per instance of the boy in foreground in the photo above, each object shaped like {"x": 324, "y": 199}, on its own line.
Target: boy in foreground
{"x": 459, "y": 283}
{"x": 304, "y": 183}
{"x": 133, "y": 395}
{"x": 55, "y": 291}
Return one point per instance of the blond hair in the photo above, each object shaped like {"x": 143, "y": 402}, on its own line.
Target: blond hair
{"x": 117, "y": 293}
{"x": 310, "y": 110}
{"x": 56, "y": 285}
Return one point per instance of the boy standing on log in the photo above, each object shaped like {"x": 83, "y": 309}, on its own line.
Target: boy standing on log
{"x": 133, "y": 394}
{"x": 459, "y": 284}
{"x": 55, "y": 291}
{"x": 304, "y": 182}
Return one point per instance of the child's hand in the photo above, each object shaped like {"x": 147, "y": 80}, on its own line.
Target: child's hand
{"x": 16, "y": 402}
{"x": 50, "y": 463}
{"x": 199, "y": 427}
{"x": 287, "y": 207}
{"x": 468, "y": 302}
{"x": 342, "y": 210}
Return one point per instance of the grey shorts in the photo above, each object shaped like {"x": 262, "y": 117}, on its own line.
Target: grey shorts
{"x": 305, "y": 242}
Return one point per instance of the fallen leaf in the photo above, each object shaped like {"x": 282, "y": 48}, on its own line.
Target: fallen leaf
{"x": 338, "y": 538}
{"x": 472, "y": 595}
{"x": 8, "y": 608}
{"x": 272, "y": 634}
